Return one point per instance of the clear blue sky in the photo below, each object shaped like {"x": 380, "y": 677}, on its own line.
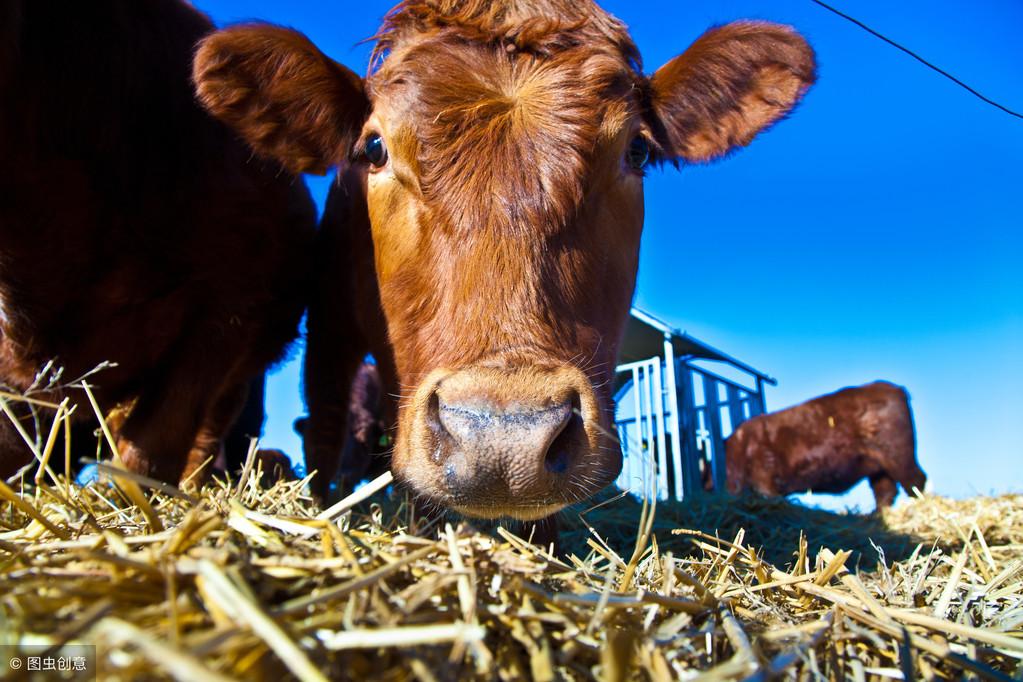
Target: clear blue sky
{"x": 874, "y": 234}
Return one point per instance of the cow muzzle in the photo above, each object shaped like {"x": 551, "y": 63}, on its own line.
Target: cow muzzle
{"x": 492, "y": 442}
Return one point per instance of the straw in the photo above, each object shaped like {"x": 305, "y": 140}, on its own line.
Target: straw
{"x": 240, "y": 581}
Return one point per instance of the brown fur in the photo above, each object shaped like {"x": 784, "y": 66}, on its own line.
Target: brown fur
{"x": 134, "y": 228}
{"x": 762, "y": 67}
{"x": 828, "y": 444}
{"x": 275, "y": 88}
{"x": 505, "y": 226}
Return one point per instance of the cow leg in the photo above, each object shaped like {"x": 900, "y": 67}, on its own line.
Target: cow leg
{"x": 161, "y": 435}
{"x": 899, "y": 464}
{"x": 157, "y": 436}
{"x": 884, "y": 490}
{"x": 323, "y": 440}
{"x": 912, "y": 476}
{"x": 247, "y": 425}
{"x": 215, "y": 424}
{"x": 328, "y": 380}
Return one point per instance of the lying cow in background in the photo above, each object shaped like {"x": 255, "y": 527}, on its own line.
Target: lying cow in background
{"x": 829, "y": 444}
{"x": 495, "y": 161}
{"x": 136, "y": 229}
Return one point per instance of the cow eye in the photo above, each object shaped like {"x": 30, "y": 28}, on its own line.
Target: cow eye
{"x": 375, "y": 150}
{"x": 638, "y": 153}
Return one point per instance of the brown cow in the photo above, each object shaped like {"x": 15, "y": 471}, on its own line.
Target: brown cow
{"x": 135, "y": 228}
{"x": 366, "y": 449}
{"x": 495, "y": 156}
{"x": 829, "y": 444}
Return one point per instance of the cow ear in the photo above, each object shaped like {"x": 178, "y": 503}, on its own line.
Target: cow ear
{"x": 733, "y": 82}
{"x": 284, "y": 97}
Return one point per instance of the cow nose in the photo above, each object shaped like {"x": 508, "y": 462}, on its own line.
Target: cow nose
{"x": 519, "y": 441}
{"x": 516, "y": 450}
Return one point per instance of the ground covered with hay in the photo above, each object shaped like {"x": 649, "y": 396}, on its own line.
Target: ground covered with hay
{"x": 241, "y": 582}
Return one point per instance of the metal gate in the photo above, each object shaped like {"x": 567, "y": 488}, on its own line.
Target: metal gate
{"x": 646, "y": 433}
{"x": 672, "y": 419}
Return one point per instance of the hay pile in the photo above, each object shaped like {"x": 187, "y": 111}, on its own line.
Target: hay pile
{"x": 241, "y": 582}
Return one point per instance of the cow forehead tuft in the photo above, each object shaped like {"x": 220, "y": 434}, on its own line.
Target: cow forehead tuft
{"x": 542, "y": 27}
{"x": 506, "y": 140}
{"x": 506, "y": 98}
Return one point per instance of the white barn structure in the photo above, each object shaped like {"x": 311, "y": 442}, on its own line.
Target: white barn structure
{"x": 677, "y": 399}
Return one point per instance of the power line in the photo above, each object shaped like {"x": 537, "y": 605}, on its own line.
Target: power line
{"x": 920, "y": 59}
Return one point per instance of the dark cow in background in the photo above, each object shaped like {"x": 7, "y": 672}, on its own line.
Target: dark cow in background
{"x": 345, "y": 323}
{"x": 135, "y": 228}
{"x": 829, "y": 444}
{"x": 365, "y": 453}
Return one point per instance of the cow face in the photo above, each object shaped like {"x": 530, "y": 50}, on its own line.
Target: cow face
{"x": 502, "y": 155}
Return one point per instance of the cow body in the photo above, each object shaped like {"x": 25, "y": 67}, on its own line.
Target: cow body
{"x": 493, "y": 160}
{"x": 136, "y": 229}
{"x": 829, "y": 444}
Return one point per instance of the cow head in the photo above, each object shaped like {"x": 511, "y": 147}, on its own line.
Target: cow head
{"x": 502, "y": 147}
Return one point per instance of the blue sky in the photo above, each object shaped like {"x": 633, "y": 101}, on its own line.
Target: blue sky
{"x": 874, "y": 234}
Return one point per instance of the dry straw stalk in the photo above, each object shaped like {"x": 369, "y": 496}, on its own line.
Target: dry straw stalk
{"x": 235, "y": 581}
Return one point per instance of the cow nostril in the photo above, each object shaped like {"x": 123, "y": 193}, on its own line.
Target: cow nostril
{"x": 472, "y": 437}
{"x": 436, "y": 425}
{"x": 559, "y": 454}
{"x": 433, "y": 413}
{"x": 557, "y": 458}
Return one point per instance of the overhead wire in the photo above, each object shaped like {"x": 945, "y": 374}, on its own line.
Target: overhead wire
{"x": 920, "y": 59}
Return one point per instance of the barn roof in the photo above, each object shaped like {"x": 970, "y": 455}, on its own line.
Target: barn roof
{"x": 645, "y": 335}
